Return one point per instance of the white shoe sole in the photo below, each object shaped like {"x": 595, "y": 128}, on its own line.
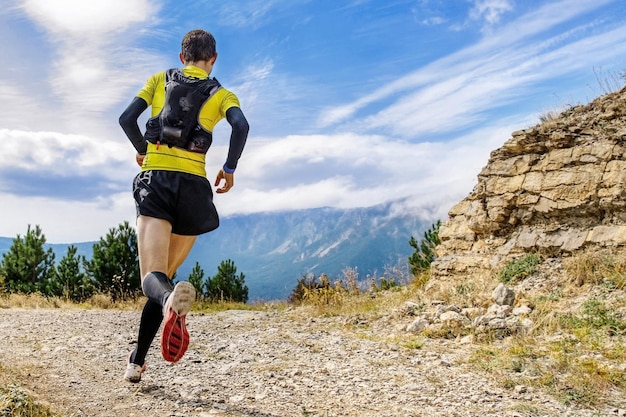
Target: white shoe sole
{"x": 182, "y": 298}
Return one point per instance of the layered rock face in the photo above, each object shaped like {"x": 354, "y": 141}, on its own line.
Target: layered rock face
{"x": 558, "y": 187}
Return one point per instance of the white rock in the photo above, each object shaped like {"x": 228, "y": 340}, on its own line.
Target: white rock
{"x": 418, "y": 325}
{"x": 503, "y": 295}
{"x": 521, "y": 311}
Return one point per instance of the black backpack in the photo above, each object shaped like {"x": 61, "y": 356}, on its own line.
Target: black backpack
{"x": 177, "y": 123}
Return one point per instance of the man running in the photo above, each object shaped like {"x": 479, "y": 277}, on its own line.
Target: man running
{"x": 173, "y": 197}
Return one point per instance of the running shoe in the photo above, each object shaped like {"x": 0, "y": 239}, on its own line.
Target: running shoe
{"x": 175, "y": 338}
{"x": 133, "y": 371}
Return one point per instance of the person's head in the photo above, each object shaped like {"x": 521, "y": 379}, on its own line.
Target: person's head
{"x": 198, "y": 45}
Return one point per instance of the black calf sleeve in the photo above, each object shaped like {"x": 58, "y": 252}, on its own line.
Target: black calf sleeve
{"x": 157, "y": 287}
{"x": 151, "y": 319}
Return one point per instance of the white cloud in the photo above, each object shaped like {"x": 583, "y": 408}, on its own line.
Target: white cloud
{"x": 76, "y": 18}
{"x": 433, "y": 21}
{"x": 490, "y": 10}
{"x": 349, "y": 170}
{"x": 253, "y": 82}
{"x": 271, "y": 99}
{"x": 245, "y": 14}
{"x": 343, "y": 171}
{"x": 87, "y": 73}
{"x": 453, "y": 92}
{"x": 65, "y": 221}
{"x": 65, "y": 155}
{"x": 91, "y": 83}
{"x": 13, "y": 101}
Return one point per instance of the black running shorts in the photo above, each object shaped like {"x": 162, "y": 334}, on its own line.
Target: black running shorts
{"x": 184, "y": 200}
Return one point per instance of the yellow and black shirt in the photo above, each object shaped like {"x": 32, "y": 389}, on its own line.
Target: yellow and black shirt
{"x": 173, "y": 158}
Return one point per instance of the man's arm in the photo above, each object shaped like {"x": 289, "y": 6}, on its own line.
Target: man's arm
{"x": 128, "y": 121}
{"x": 238, "y": 137}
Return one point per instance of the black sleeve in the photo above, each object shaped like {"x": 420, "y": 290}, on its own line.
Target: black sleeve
{"x": 128, "y": 121}
{"x": 238, "y": 136}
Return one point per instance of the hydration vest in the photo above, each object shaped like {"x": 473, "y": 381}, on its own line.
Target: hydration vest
{"x": 177, "y": 123}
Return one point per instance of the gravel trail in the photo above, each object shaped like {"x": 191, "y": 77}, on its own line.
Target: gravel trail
{"x": 256, "y": 364}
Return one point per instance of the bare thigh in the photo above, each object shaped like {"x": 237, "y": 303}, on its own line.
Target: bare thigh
{"x": 180, "y": 246}
{"x": 159, "y": 249}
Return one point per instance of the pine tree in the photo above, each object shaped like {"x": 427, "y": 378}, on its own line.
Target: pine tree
{"x": 196, "y": 278}
{"x": 424, "y": 253}
{"x": 114, "y": 265}
{"x": 226, "y": 285}
{"x": 27, "y": 267}
{"x": 72, "y": 279}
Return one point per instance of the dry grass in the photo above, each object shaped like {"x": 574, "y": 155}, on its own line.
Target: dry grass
{"x": 597, "y": 267}
{"x": 472, "y": 291}
{"x": 98, "y": 301}
{"x": 17, "y": 401}
{"x": 609, "y": 82}
{"x": 337, "y": 301}
{"x": 576, "y": 370}
{"x": 32, "y": 301}
{"x": 103, "y": 301}
{"x": 577, "y": 348}
{"x": 204, "y": 306}
{"x": 575, "y": 351}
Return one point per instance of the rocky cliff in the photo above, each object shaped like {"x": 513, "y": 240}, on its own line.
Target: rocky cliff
{"x": 557, "y": 188}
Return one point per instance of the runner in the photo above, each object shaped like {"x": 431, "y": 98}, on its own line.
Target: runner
{"x": 173, "y": 197}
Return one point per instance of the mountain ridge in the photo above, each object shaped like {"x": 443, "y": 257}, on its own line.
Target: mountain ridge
{"x": 274, "y": 249}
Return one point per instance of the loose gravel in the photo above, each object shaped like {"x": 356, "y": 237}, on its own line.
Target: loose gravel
{"x": 255, "y": 364}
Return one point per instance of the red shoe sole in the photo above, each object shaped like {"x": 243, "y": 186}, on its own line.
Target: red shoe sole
{"x": 174, "y": 338}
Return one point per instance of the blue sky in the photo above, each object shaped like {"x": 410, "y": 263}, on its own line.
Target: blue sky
{"x": 350, "y": 103}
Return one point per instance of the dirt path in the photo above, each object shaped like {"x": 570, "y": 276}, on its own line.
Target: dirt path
{"x": 257, "y": 364}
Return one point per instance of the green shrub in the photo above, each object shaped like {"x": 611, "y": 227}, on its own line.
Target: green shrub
{"x": 519, "y": 269}
{"x": 384, "y": 285}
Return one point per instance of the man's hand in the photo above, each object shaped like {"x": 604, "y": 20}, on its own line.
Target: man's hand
{"x": 139, "y": 158}
{"x": 229, "y": 181}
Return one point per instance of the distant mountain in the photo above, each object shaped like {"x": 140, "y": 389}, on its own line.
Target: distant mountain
{"x": 274, "y": 250}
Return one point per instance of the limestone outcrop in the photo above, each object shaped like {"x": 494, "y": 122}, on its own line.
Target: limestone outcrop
{"x": 558, "y": 187}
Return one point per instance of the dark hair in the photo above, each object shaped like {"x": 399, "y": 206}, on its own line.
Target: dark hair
{"x": 198, "y": 45}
